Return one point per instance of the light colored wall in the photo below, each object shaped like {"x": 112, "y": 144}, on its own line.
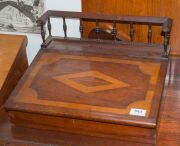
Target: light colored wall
{"x": 34, "y": 40}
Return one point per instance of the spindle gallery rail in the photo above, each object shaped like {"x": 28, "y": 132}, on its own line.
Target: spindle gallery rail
{"x": 164, "y": 22}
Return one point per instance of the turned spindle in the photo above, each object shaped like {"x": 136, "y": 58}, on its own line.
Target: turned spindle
{"x": 81, "y": 29}
{"x": 97, "y": 29}
{"x": 114, "y": 31}
{"x": 132, "y": 32}
{"x": 166, "y": 44}
{"x": 43, "y": 34}
{"x": 65, "y": 28}
{"x": 150, "y": 34}
{"x": 49, "y": 26}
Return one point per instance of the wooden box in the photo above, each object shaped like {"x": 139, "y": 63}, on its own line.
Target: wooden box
{"x": 95, "y": 87}
{"x": 70, "y": 88}
{"x": 13, "y": 63}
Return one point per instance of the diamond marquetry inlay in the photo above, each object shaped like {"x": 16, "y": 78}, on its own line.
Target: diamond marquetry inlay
{"x": 111, "y": 82}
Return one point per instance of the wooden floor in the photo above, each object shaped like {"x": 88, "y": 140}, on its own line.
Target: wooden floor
{"x": 168, "y": 129}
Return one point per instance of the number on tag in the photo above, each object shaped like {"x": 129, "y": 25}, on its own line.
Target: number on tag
{"x": 138, "y": 112}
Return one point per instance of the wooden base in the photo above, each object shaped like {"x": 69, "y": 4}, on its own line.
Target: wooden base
{"x": 11, "y": 134}
{"x": 91, "y": 128}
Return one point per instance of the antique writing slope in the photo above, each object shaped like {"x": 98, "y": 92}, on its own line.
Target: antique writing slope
{"x": 94, "y": 87}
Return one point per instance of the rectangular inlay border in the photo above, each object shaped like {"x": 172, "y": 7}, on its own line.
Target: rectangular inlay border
{"x": 149, "y": 68}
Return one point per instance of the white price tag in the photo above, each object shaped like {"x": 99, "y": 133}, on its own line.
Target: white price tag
{"x": 137, "y": 112}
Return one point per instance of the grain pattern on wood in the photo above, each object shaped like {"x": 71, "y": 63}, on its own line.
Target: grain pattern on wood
{"x": 91, "y": 128}
{"x": 29, "y": 136}
{"x": 75, "y": 85}
{"x": 13, "y": 63}
{"x": 168, "y": 131}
